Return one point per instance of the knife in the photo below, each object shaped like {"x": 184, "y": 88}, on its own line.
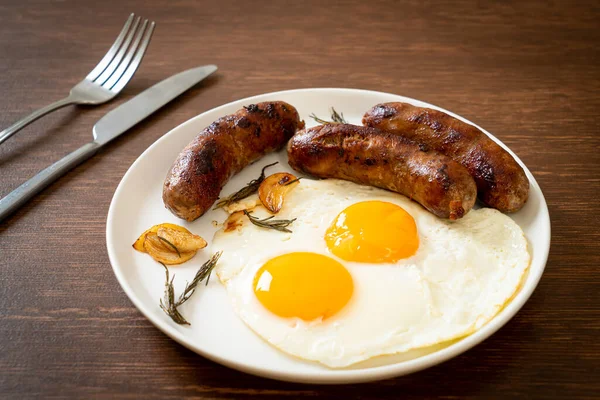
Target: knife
{"x": 106, "y": 129}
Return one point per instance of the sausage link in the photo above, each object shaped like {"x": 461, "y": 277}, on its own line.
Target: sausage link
{"x": 501, "y": 182}
{"x": 369, "y": 156}
{"x": 223, "y": 149}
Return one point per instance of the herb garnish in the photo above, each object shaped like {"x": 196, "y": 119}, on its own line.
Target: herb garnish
{"x": 162, "y": 239}
{"x": 250, "y": 188}
{"x": 339, "y": 118}
{"x": 336, "y": 118}
{"x": 292, "y": 181}
{"x": 169, "y": 305}
{"x": 270, "y": 223}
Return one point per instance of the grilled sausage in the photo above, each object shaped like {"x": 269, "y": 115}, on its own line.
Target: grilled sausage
{"x": 501, "y": 182}
{"x": 370, "y": 156}
{"x": 223, "y": 149}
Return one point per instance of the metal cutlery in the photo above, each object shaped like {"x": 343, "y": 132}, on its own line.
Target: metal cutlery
{"x": 108, "y": 78}
{"x": 106, "y": 129}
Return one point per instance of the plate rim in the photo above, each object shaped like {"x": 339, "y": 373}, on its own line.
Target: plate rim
{"x": 343, "y": 376}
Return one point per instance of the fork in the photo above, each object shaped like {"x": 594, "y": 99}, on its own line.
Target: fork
{"x": 107, "y": 79}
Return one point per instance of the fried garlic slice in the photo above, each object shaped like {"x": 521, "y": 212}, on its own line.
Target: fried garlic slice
{"x": 183, "y": 241}
{"x": 139, "y": 243}
{"x": 274, "y": 188}
{"x": 169, "y": 243}
{"x": 163, "y": 252}
{"x": 234, "y": 221}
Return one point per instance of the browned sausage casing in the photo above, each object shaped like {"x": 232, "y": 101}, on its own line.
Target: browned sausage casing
{"x": 373, "y": 157}
{"x": 222, "y": 150}
{"x": 501, "y": 182}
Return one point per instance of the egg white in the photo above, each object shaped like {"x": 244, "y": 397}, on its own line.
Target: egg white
{"x": 460, "y": 277}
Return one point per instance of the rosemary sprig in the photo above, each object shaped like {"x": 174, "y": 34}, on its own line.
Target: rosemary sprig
{"x": 292, "y": 181}
{"x": 171, "y": 245}
{"x": 319, "y": 120}
{"x": 336, "y": 118}
{"x": 169, "y": 305}
{"x": 250, "y": 188}
{"x": 270, "y": 223}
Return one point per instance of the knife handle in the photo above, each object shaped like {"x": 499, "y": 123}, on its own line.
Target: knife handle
{"x": 33, "y": 186}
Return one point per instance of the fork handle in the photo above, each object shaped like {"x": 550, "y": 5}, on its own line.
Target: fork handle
{"x": 27, "y": 190}
{"x": 17, "y": 126}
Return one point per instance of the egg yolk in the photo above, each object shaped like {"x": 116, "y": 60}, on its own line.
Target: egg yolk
{"x": 373, "y": 231}
{"x": 303, "y": 285}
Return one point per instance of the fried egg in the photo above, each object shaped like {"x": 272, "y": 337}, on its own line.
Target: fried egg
{"x": 367, "y": 272}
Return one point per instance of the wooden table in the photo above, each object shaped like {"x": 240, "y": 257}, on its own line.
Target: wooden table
{"x": 526, "y": 71}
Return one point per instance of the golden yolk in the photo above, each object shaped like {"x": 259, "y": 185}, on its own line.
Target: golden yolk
{"x": 303, "y": 285}
{"x": 373, "y": 231}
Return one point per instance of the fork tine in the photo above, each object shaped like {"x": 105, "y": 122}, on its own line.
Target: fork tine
{"x": 127, "y": 59}
{"x": 135, "y": 63}
{"x": 98, "y": 69}
{"x": 110, "y": 69}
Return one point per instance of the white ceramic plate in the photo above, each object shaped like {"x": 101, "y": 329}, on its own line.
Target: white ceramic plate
{"x": 216, "y": 332}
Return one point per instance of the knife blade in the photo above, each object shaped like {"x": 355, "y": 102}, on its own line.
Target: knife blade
{"x": 106, "y": 129}
{"x": 141, "y": 106}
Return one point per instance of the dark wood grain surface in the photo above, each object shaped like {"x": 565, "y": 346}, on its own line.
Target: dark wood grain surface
{"x": 526, "y": 71}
